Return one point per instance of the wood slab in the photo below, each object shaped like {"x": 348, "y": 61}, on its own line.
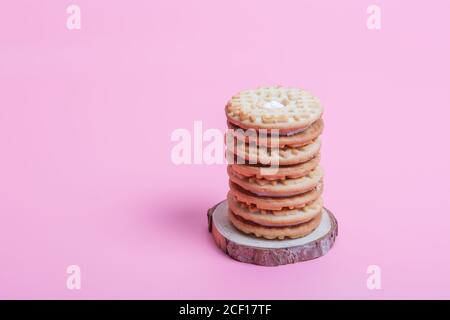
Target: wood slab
{"x": 250, "y": 249}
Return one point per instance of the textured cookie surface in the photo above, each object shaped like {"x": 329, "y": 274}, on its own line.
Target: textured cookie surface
{"x": 283, "y": 172}
{"x": 283, "y": 156}
{"x": 296, "y": 140}
{"x": 275, "y": 203}
{"x": 282, "y": 187}
{"x": 274, "y": 218}
{"x": 286, "y": 109}
{"x": 292, "y": 232}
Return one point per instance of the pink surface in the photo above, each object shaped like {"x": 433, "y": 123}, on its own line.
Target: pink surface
{"x": 86, "y": 117}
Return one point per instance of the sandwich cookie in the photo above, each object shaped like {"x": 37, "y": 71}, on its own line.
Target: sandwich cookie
{"x": 276, "y": 203}
{"x": 283, "y": 156}
{"x": 275, "y": 218}
{"x": 289, "y": 110}
{"x": 297, "y": 140}
{"x": 278, "y": 188}
{"x": 282, "y": 172}
{"x": 294, "y": 231}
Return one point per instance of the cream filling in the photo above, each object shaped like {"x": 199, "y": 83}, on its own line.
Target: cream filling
{"x": 291, "y": 133}
{"x": 273, "y": 105}
{"x": 273, "y": 195}
{"x": 284, "y": 134}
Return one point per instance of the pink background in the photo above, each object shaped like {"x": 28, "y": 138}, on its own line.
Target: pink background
{"x": 86, "y": 116}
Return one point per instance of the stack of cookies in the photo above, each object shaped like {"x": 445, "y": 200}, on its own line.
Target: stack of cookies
{"x": 273, "y": 151}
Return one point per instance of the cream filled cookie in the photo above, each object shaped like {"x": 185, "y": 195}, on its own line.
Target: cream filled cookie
{"x": 277, "y": 188}
{"x": 288, "y": 110}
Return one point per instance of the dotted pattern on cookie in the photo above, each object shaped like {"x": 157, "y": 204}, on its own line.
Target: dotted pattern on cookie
{"x": 280, "y": 233}
{"x": 299, "y": 108}
{"x": 315, "y": 174}
{"x": 274, "y": 203}
{"x": 311, "y": 207}
{"x": 286, "y": 155}
{"x": 292, "y": 172}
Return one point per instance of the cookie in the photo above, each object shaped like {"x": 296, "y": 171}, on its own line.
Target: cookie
{"x": 289, "y": 110}
{"x": 282, "y": 156}
{"x": 278, "y": 188}
{"x": 276, "y": 203}
{"x": 295, "y": 231}
{"x": 296, "y": 140}
{"x": 275, "y": 218}
{"x": 283, "y": 172}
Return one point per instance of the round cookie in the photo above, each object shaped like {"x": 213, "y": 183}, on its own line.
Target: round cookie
{"x": 283, "y": 172}
{"x": 281, "y": 233}
{"x": 297, "y": 140}
{"x": 275, "y": 218}
{"x": 278, "y": 188}
{"x": 283, "y": 156}
{"x": 290, "y": 110}
{"x": 276, "y": 203}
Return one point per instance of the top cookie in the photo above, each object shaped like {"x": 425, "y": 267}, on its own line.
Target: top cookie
{"x": 290, "y": 110}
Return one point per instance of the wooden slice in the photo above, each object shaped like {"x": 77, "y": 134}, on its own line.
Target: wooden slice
{"x": 249, "y": 249}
